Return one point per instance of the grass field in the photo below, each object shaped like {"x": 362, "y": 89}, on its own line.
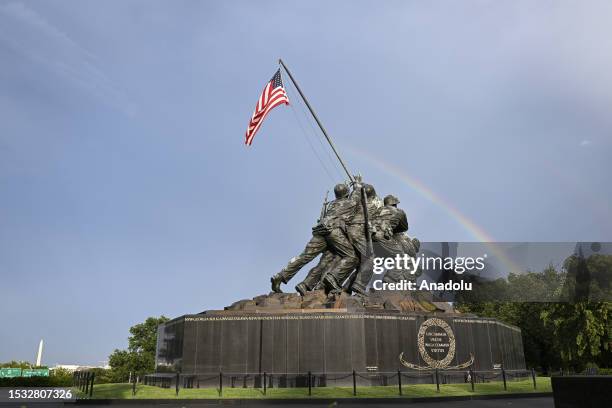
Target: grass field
{"x": 124, "y": 391}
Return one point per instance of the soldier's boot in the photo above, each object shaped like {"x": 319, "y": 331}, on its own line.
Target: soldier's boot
{"x": 301, "y": 288}
{"x": 331, "y": 284}
{"x": 276, "y": 281}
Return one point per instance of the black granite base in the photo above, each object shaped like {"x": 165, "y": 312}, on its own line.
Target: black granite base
{"x": 290, "y": 344}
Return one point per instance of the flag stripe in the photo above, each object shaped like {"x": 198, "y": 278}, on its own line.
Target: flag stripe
{"x": 253, "y": 130}
{"x": 273, "y": 94}
{"x": 271, "y": 104}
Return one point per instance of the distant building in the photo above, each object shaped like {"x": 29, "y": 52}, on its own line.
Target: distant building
{"x": 75, "y": 367}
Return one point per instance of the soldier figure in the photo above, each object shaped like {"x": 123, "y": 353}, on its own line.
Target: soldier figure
{"x": 326, "y": 235}
{"x": 340, "y": 237}
{"x": 411, "y": 246}
{"x": 355, "y": 230}
{"x": 391, "y": 220}
{"x": 390, "y": 238}
{"x": 358, "y": 232}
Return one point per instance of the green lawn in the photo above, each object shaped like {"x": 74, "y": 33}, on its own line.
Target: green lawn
{"x": 124, "y": 391}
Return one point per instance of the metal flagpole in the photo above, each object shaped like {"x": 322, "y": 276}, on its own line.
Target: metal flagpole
{"x": 314, "y": 115}
{"x": 369, "y": 249}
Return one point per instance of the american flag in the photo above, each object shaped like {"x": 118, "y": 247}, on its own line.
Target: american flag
{"x": 274, "y": 94}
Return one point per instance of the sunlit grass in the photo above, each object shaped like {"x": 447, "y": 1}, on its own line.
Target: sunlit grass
{"x": 124, "y": 391}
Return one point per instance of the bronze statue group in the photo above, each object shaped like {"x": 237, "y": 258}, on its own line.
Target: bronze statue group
{"x": 353, "y": 229}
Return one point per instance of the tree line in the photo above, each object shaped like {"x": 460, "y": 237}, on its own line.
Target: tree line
{"x": 570, "y": 328}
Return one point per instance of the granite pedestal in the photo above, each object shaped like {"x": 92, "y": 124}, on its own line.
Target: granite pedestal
{"x": 330, "y": 343}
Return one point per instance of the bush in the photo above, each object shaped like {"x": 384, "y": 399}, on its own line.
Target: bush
{"x": 51, "y": 381}
{"x": 104, "y": 376}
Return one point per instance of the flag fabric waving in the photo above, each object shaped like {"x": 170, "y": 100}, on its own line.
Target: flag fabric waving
{"x": 274, "y": 94}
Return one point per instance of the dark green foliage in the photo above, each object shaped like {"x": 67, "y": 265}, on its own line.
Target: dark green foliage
{"x": 582, "y": 332}
{"x": 20, "y": 364}
{"x": 104, "y": 376}
{"x": 35, "y": 382}
{"x": 139, "y": 358}
{"x": 556, "y": 335}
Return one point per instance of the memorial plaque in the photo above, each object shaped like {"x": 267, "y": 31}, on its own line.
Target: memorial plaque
{"x": 437, "y": 347}
{"x": 436, "y": 342}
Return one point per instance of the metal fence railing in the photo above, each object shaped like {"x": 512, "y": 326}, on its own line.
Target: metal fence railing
{"x": 400, "y": 379}
{"x": 84, "y": 380}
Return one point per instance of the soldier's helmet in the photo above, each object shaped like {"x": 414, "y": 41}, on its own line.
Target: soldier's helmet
{"x": 341, "y": 190}
{"x": 391, "y": 200}
{"x": 369, "y": 190}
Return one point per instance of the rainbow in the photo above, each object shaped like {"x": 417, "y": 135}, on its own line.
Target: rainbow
{"x": 470, "y": 226}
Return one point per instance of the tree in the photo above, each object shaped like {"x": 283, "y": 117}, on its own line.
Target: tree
{"x": 17, "y": 364}
{"x": 139, "y": 358}
{"x": 61, "y": 375}
{"x": 538, "y": 341}
{"x": 121, "y": 365}
{"x": 582, "y": 331}
{"x": 571, "y": 334}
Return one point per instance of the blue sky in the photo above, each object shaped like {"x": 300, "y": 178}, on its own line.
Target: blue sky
{"x": 126, "y": 190}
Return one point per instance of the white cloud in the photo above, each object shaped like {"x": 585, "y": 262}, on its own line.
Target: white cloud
{"x": 585, "y": 143}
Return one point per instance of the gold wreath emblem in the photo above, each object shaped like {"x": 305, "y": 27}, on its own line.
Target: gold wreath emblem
{"x": 432, "y": 362}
